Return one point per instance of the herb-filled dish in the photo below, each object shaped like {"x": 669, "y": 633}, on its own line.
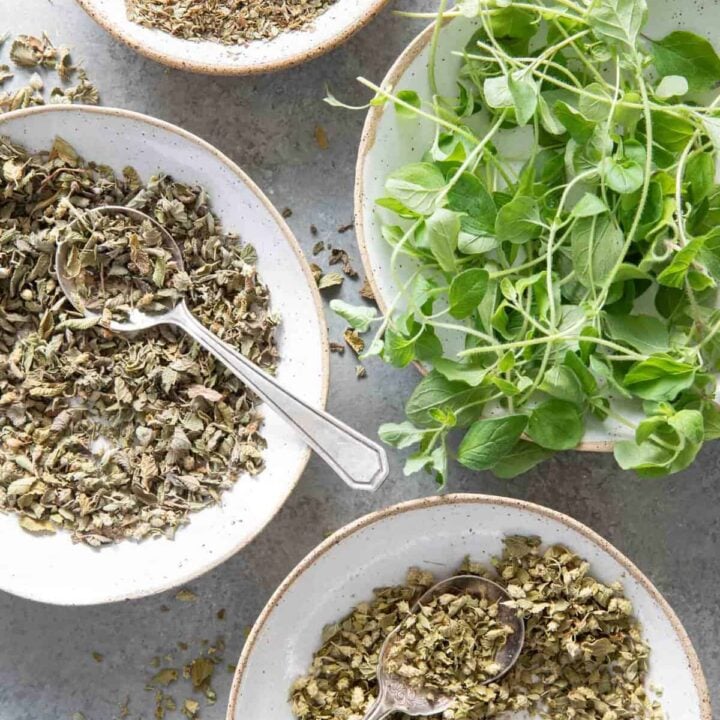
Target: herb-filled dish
{"x": 584, "y": 655}
{"x": 181, "y": 428}
{"x": 599, "y": 640}
{"x": 107, "y": 437}
{"x": 232, "y": 37}
{"x": 225, "y": 21}
{"x": 552, "y": 250}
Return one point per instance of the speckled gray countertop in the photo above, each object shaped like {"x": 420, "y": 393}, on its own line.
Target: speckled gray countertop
{"x": 670, "y": 528}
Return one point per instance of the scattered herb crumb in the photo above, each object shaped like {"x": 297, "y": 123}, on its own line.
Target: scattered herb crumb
{"x": 317, "y": 272}
{"x": 28, "y": 53}
{"x": 193, "y": 676}
{"x": 366, "y": 291}
{"x": 318, "y": 247}
{"x": 330, "y": 280}
{"x": 339, "y": 256}
{"x": 321, "y": 138}
{"x": 191, "y": 708}
{"x": 221, "y": 614}
{"x": 124, "y": 709}
{"x": 338, "y": 348}
{"x": 287, "y": 213}
{"x": 98, "y": 657}
{"x": 353, "y": 339}
{"x": 186, "y": 595}
{"x": 164, "y": 677}
{"x": 313, "y": 230}
{"x": 360, "y": 372}
{"x": 345, "y": 228}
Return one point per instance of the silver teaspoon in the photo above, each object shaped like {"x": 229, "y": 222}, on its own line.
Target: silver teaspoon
{"x": 359, "y": 461}
{"x": 395, "y": 694}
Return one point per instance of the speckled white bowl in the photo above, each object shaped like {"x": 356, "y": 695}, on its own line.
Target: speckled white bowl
{"x": 52, "y": 568}
{"x": 326, "y": 32}
{"x": 436, "y": 534}
{"x": 389, "y": 142}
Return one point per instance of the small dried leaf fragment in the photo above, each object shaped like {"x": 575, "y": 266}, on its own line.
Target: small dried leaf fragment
{"x": 366, "y": 291}
{"x": 37, "y": 527}
{"x": 206, "y": 393}
{"x": 353, "y": 339}
{"x": 321, "y": 137}
{"x": 165, "y": 677}
{"x": 330, "y": 280}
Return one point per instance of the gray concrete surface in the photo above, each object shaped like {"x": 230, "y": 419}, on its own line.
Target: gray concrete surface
{"x": 670, "y": 528}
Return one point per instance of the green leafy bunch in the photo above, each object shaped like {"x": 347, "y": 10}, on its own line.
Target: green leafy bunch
{"x": 576, "y": 280}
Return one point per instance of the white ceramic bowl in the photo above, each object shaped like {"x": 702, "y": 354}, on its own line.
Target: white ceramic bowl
{"x": 389, "y": 142}
{"x": 436, "y": 534}
{"x": 326, "y": 32}
{"x": 52, "y": 568}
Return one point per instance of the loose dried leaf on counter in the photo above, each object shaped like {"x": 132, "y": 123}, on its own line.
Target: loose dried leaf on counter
{"x": 330, "y": 280}
{"x": 29, "y": 53}
{"x": 321, "y": 138}
{"x": 337, "y": 256}
{"x": 353, "y": 339}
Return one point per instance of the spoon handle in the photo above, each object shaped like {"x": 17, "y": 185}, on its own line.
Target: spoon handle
{"x": 381, "y": 709}
{"x": 359, "y": 461}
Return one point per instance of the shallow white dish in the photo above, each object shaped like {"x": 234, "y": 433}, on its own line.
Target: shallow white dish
{"x": 326, "y": 32}
{"x": 389, "y": 142}
{"x": 436, "y": 534}
{"x": 52, "y": 568}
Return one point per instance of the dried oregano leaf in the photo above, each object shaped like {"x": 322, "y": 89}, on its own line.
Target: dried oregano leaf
{"x": 99, "y": 434}
{"x": 226, "y": 21}
{"x": 584, "y": 655}
{"x": 28, "y": 53}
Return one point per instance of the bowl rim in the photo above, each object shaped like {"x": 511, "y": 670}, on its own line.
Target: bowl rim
{"x": 471, "y": 499}
{"x": 367, "y": 142}
{"x": 232, "y": 69}
{"x": 214, "y": 560}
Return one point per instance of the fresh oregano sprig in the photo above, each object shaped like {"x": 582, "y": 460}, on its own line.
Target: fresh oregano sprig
{"x": 561, "y": 288}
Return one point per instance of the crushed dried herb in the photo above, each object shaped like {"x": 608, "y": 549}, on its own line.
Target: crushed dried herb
{"x": 366, "y": 291}
{"x": 194, "y": 676}
{"x": 105, "y": 437}
{"x": 353, "y": 339}
{"x": 321, "y": 138}
{"x": 230, "y": 22}
{"x": 116, "y": 264}
{"x": 449, "y": 645}
{"x": 29, "y": 53}
{"x": 339, "y": 256}
{"x": 330, "y": 280}
{"x": 584, "y": 655}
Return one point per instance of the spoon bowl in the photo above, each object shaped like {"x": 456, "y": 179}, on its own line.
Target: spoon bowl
{"x": 137, "y": 319}
{"x": 395, "y": 694}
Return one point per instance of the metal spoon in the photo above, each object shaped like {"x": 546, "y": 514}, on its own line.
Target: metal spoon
{"x": 396, "y": 695}
{"x": 359, "y": 461}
